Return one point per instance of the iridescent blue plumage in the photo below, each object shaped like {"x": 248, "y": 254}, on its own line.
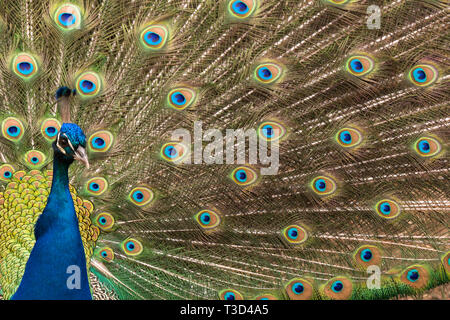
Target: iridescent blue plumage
{"x": 58, "y": 251}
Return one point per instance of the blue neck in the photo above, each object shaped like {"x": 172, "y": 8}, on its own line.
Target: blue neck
{"x": 56, "y": 268}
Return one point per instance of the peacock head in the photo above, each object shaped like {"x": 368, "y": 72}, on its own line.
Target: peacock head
{"x": 70, "y": 144}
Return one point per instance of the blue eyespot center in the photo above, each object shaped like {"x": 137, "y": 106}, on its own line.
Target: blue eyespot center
{"x": 171, "y": 152}
{"x": 130, "y": 246}
{"x": 346, "y": 137}
{"x": 293, "y": 233}
{"x": 7, "y": 174}
{"x": 94, "y": 186}
{"x": 67, "y": 19}
{"x": 138, "y": 196}
{"x": 99, "y": 143}
{"x": 51, "y": 131}
{"x": 104, "y": 254}
{"x": 153, "y": 38}
{"x": 87, "y": 86}
{"x": 356, "y": 65}
{"x": 264, "y": 73}
{"x": 366, "y": 255}
{"x": 206, "y": 218}
{"x": 424, "y": 146}
{"x": 385, "y": 208}
{"x": 268, "y": 131}
{"x": 178, "y": 98}
{"x": 337, "y": 286}
{"x": 34, "y": 160}
{"x": 25, "y": 68}
{"x": 240, "y": 7}
{"x": 413, "y": 275}
{"x": 102, "y": 220}
{"x": 230, "y": 296}
{"x": 321, "y": 185}
{"x": 298, "y": 288}
{"x": 419, "y": 75}
{"x": 13, "y": 131}
{"x": 241, "y": 176}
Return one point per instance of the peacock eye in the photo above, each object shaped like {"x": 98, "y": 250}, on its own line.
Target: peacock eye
{"x": 63, "y": 142}
{"x": 181, "y": 98}
{"x": 348, "y": 137}
{"x": 271, "y": 130}
{"x": 106, "y": 254}
{"x": 96, "y": 186}
{"x": 230, "y": 294}
{"x": 387, "y": 209}
{"x": 359, "y": 65}
{"x": 295, "y": 234}
{"x": 244, "y": 176}
{"x": 323, "y": 185}
{"x": 104, "y": 221}
{"x": 299, "y": 289}
{"x": 241, "y": 8}
{"x": 339, "y": 288}
{"x": 132, "y": 247}
{"x": 416, "y": 276}
{"x": 6, "y": 172}
{"x": 25, "y": 66}
{"x": 207, "y": 219}
{"x": 141, "y": 196}
{"x": 427, "y": 147}
{"x": 154, "y": 37}
{"x": 68, "y": 17}
{"x": 34, "y": 159}
{"x": 268, "y": 73}
{"x": 423, "y": 75}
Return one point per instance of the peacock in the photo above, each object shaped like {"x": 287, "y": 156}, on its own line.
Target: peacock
{"x": 223, "y": 149}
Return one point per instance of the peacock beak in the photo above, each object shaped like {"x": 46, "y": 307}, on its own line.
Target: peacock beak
{"x": 81, "y": 155}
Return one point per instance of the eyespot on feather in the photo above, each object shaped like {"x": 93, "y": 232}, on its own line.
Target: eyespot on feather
{"x": 89, "y": 84}
{"x": 154, "y": 37}
{"x": 295, "y": 234}
{"x": 415, "y": 276}
{"x": 181, "y": 98}
{"x": 105, "y": 221}
{"x": 242, "y": 9}
{"x": 96, "y": 186}
{"x": 360, "y": 65}
{"x": 323, "y": 185}
{"x": 207, "y": 219}
{"x": 266, "y": 297}
{"x": 271, "y": 131}
{"x": 299, "y": 289}
{"x": 68, "y": 17}
{"x": 50, "y": 128}
{"x": 348, "y": 137}
{"x": 338, "y": 288}
{"x": 423, "y": 75}
{"x": 141, "y": 196}
{"x": 367, "y": 255}
{"x": 132, "y": 247}
{"x": 244, "y": 176}
{"x": 34, "y": 159}
{"x": 25, "y": 66}
{"x": 427, "y": 147}
{"x": 174, "y": 152}
{"x": 6, "y": 172}
{"x": 387, "y": 209}
{"x": 106, "y": 253}
{"x": 268, "y": 73}
{"x": 100, "y": 141}
{"x": 12, "y": 129}
{"x": 230, "y": 294}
